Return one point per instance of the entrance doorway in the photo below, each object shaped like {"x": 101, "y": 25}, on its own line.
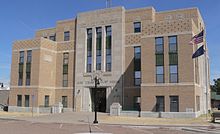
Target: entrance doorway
{"x": 100, "y": 99}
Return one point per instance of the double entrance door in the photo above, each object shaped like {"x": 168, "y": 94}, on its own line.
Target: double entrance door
{"x": 99, "y": 97}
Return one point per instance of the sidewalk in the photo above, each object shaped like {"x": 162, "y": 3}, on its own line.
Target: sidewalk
{"x": 104, "y": 118}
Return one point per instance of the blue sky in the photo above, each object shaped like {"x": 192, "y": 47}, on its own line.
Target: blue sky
{"x": 19, "y": 19}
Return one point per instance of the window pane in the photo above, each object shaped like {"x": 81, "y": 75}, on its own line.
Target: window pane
{"x": 64, "y": 101}
{"x": 21, "y": 60}
{"x": 19, "y": 100}
{"x": 173, "y": 58}
{"x": 159, "y": 40}
{"x": 98, "y": 66}
{"x": 174, "y": 104}
{"x": 89, "y": 68}
{"x": 159, "y": 70}
{"x": 137, "y": 74}
{"x": 29, "y": 56}
{"x": 53, "y": 37}
{"x": 160, "y": 78}
{"x": 65, "y": 83}
{"x": 108, "y": 59}
{"x": 159, "y": 59}
{"x": 89, "y": 60}
{"x": 159, "y": 48}
{"x": 65, "y": 69}
{"x": 173, "y": 48}
{"x": 21, "y": 67}
{"x": 173, "y": 69}
{"x": 173, "y": 78}
{"x": 173, "y": 39}
{"x": 28, "y": 67}
{"x": 108, "y": 31}
{"x": 137, "y": 27}
{"x": 108, "y": 67}
{"x": 98, "y": 59}
{"x": 26, "y": 100}
{"x": 160, "y": 104}
{"x": 137, "y": 82}
{"x": 66, "y": 36}
{"x": 65, "y": 77}
{"x": 46, "y": 101}
{"x": 108, "y": 51}
{"x": 137, "y": 64}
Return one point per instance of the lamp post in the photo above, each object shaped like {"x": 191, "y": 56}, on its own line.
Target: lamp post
{"x": 96, "y": 79}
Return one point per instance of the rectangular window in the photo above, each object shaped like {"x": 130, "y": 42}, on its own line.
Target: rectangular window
{"x": 89, "y": 50}
{"x": 21, "y": 59}
{"x": 52, "y": 37}
{"x": 159, "y": 45}
{"x": 64, "y": 101}
{"x": 67, "y": 36}
{"x": 29, "y": 56}
{"x": 137, "y": 27}
{"x": 26, "y": 104}
{"x": 172, "y": 44}
{"x": 173, "y": 73}
{"x": 137, "y": 66}
{"x": 46, "y": 101}
{"x": 28, "y": 67}
{"x": 20, "y": 74}
{"x": 19, "y": 100}
{"x": 159, "y": 54}
{"x": 28, "y": 78}
{"x": 108, "y": 48}
{"x": 160, "y": 107}
{"x": 98, "y": 48}
{"x": 173, "y": 59}
{"x": 198, "y": 103}
{"x": 65, "y": 69}
{"x": 159, "y": 74}
{"x": 174, "y": 103}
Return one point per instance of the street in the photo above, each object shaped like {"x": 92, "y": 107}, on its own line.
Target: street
{"x": 8, "y": 126}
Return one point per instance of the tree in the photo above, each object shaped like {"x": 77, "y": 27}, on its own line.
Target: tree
{"x": 216, "y": 86}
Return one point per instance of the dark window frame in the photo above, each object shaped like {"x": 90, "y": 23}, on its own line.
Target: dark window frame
{"x": 27, "y": 100}
{"x": 159, "y": 106}
{"x": 46, "y": 101}
{"x": 137, "y": 65}
{"x": 137, "y": 29}
{"x": 172, "y": 103}
{"x": 66, "y": 36}
{"x": 89, "y": 52}
{"x": 98, "y": 48}
{"x": 19, "y": 101}
{"x": 108, "y": 65}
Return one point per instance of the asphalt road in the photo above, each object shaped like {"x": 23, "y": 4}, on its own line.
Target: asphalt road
{"x": 26, "y": 127}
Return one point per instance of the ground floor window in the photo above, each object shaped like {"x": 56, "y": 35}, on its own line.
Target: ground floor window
{"x": 46, "y": 101}
{"x": 160, "y": 107}
{"x": 198, "y": 103}
{"x": 19, "y": 100}
{"x": 64, "y": 101}
{"x": 174, "y": 103}
{"x": 26, "y": 101}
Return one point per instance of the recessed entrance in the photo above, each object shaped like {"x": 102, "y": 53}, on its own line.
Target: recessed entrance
{"x": 100, "y": 99}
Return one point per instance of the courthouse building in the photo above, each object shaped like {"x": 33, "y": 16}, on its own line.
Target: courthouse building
{"x": 141, "y": 54}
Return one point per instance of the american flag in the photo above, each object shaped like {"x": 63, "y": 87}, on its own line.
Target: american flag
{"x": 197, "y": 38}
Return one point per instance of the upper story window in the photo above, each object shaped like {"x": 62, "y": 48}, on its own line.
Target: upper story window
{"x": 108, "y": 48}
{"x": 67, "y": 36}
{"x": 21, "y": 59}
{"x": 159, "y": 45}
{"x": 89, "y": 50}
{"x": 29, "y": 56}
{"x": 137, "y": 27}
{"x": 173, "y": 44}
{"x": 52, "y": 37}
{"x": 98, "y": 48}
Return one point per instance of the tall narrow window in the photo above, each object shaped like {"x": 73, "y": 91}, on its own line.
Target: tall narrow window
{"x": 137, "y": 27}
{"x": 159, "y": 52}
{"x": 27, "y": 101}
{"x": 174, "y": 103}
{"x": 89, "y": 50}
{"x": 67, "y": 36}
{"x": 108, "y": 48}
{"x": 19, "y": 100}
{"x": 98, "y": 48}
{"x": 65, "y": 69}
{"x": 52, "y": 37}
{"x": 46, "y": 101}
{"x": 28, "y": 67}
{"x": 173, "y": 59}
{"x": 20, "y": 70}
{"x": 137, "y": 66}
{"x": 64, "y": 101}
{"x": 198, "y": 103}
{"x": 160, "y": 107}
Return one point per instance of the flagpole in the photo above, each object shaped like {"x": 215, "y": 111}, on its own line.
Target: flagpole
{"x": 206, "y": 77}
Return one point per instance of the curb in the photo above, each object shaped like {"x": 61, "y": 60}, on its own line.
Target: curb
{"x": 199, "y": 131}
